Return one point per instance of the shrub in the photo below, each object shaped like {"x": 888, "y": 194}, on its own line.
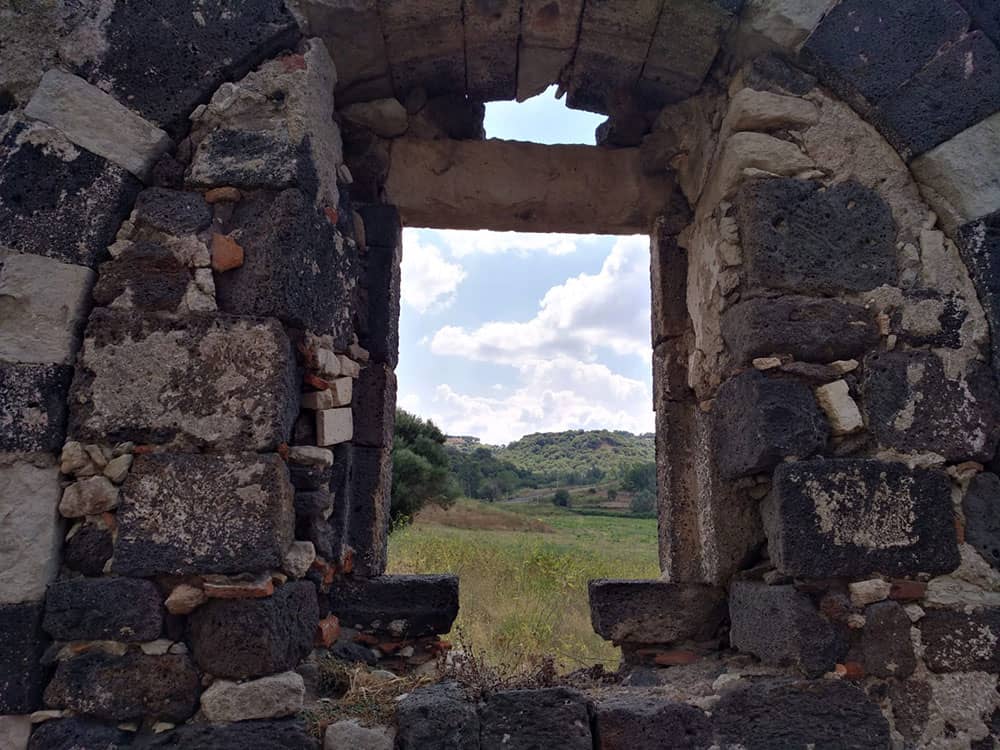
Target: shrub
{"x": 561, "y": 498}
{"x": 643, "y": 503}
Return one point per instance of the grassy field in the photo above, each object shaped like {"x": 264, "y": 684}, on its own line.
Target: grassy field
{"x": 524, "y": 570}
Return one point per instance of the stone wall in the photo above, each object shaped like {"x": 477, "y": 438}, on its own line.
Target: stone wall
{"x": 827, "y": 418}
{"x": 197, "y": 350}
{"x": 199, "y": 288}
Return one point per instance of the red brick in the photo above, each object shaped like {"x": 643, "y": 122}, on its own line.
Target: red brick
{"x": 227, "y": 253}
{"x": 327, "y": 631}
{"x": 907, "y": 590}
{"x": 676, "y": 657}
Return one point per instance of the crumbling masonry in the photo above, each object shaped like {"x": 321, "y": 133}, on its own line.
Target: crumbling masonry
{"x": 200, "y": 214}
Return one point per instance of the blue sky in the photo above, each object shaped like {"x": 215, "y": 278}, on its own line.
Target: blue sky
{"x": 503, "y": 334}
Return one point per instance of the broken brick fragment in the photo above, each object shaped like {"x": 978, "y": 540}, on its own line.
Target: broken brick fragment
{"x": 676, "y": 657}
{"x": 223, "y": 195}
{"x": 315, "y": 382}
{"x": 227, "y": 253}
{"x": 327, "y": 631}
{"x": 293, "y": 62}
{"x": 907, "y": 591}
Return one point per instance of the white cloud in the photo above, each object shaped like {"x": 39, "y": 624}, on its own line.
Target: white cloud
{"x": 607, "y": 309}
{"x": 428, "y": 279}
{"x": 553, "y": 395}
{"x": 410, "y": 402}
{"x": 464, "y": 242}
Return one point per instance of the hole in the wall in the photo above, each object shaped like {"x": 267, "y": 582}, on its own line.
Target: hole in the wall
{"x": 500, "y": 336}
{"x": 531, "y": 354}
{"x": 541, "y": 119}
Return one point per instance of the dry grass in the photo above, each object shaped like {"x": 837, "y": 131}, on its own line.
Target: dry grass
{"x": 480, "y": 517}
{"x": 354, "y": 691}
{"x": 524, "y": 594}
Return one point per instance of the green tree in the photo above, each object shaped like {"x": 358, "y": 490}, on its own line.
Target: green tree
{"x": 561, "y": 498}
{"x": 421, "y": 473}
{"x": 640, "y": 477}
{"x": 643, "y": 503}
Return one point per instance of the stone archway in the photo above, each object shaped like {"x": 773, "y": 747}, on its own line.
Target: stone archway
{"x": 189, "y": 185}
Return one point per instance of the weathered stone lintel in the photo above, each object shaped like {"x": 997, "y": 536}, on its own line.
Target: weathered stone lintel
{"x": 526, "y": 187}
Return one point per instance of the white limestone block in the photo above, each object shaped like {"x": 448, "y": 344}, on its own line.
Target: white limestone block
{"x": 334, "y": 426}
{"x": 30, "y": 531}
{"x": 96, "y": 121}
{"x": 43, "y": 304}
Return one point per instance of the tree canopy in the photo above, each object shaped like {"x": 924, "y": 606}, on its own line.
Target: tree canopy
{"x": 421, "y": 473}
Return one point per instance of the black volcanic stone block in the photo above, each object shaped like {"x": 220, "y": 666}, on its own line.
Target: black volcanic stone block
{"x": 959, "y": 642}
{"x": 761, "y": 421}
{"x": 130, "y": 686}
{"x": 985, "y": 15}
{"x": 824, "y": 714}
{"x": 58, "y": 200}
{"x": 103, "y": 609}
{"x": 242, "y": 638}
{"x": 827, "y": 518}
{"x": 381, "y": 281}
{"x": 164, "y": 57}
{"x": 981, "y": 508}
{"x": 186, "y": 513}
{"x": 172, "y": 211}
{"x": 78, "y": 734}
{"x": 782, "y": 627}
{"x": 439, "y": 717}
{"x": 33, "y": 402}
{"x": 22, "y": 675}
{"x": 957, "y": 89}
{"x": 633, "y": 721}
{"x": 88, "y": 550}
{"x": 872, "y": 47}
{"x": 312, "y": 509}
{"x": 807, "y": 328}
{"x": 550, "y": 717}
{"x": 886, "y": 642}
{"x": 283, "y": 734}
{"x": 374, "y": 406}
{"x": 771, "y": 73}
{"x": 400, "y": 606}
{"x": 383, "y": 227}
{"x": 654, "y": 611}
{"x": 292, "y": 268}
{"x": 912, "y": 406}
{"x": 366, "y": 514}
{"x": 151, "y": 276}
{"x": 802, "y": 238}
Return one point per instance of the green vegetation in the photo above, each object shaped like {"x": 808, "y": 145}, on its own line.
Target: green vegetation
{"x": 524, "y": 570}
{"x": 483, "y": 476}
{"x": 578, "y": 456}
{"x": 528, "y": 468}
{"x": 420, "y": 470}
{"x": 581, "y": 507}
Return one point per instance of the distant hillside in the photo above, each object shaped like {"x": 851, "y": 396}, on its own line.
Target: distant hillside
{"x": 578, "y": 451}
